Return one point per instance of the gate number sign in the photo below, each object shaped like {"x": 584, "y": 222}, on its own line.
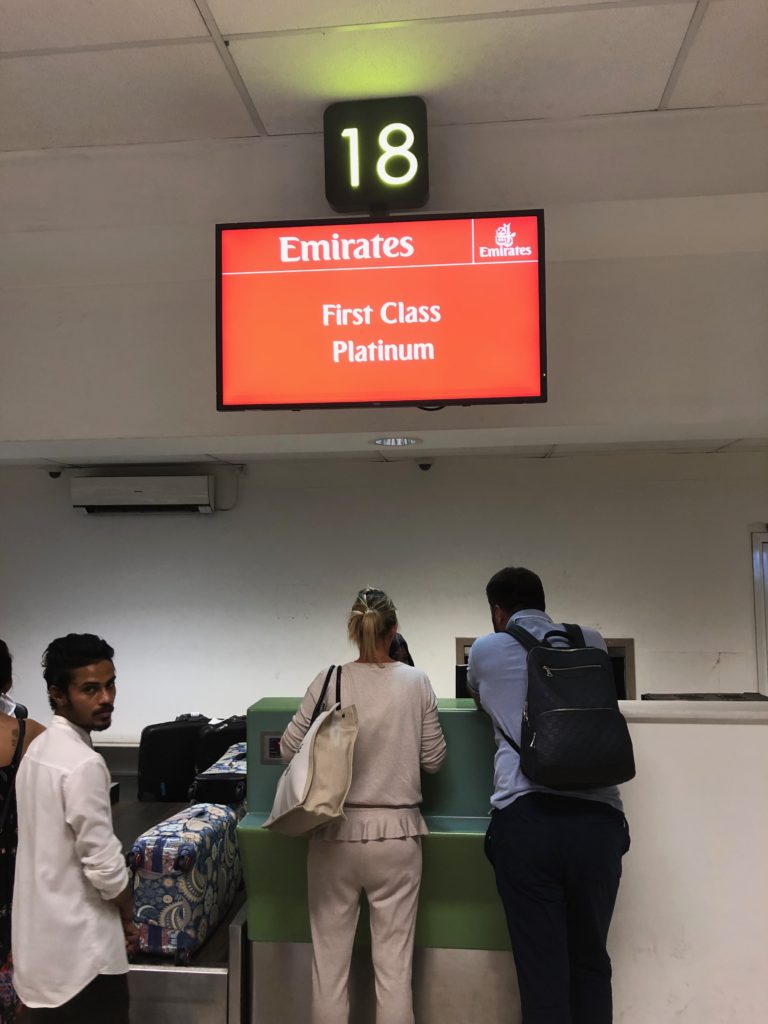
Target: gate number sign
{"x": 376, "y": 154}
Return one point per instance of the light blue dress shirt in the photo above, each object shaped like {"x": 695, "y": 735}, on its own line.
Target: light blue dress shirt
{"x": 498, "y": 676}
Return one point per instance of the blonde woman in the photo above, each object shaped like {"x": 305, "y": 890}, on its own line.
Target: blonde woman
{"x": 377, "y": 849}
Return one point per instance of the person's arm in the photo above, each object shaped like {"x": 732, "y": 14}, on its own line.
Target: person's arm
{"x": 298, "y": 725}
{"x": 472, "y": 686}
{"x": 433, "y": 747}
{"x": 124, "y": 903}
{"x": 87, "y": 812}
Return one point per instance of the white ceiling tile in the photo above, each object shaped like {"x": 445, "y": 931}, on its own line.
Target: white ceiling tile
{"x": 161, "y": 93}
{"x": 241, "y": 16}
{"x": 562, "y": 65}
{"x": 49, "y": 24}
{"x": 728, "y": 61}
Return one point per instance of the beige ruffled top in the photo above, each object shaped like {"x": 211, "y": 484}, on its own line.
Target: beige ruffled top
{"x": 399, "y": 735}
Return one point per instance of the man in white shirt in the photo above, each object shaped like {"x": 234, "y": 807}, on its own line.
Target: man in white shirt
{"x": 73, "y": 911}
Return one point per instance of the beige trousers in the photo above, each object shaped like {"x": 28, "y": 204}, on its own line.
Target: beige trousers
{"x": 389, "y": 872}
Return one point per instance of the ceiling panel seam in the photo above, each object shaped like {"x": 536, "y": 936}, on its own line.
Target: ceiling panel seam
{"x": 225, "y": 38}
{"x": 682, "y": 54}
{"x": 222, "y": 48}
{"x": 446, "y": 19}
{"x": 434, "y": 126}
{"x": 137, "y": 44}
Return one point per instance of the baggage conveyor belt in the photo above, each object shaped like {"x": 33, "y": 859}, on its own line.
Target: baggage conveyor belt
{"x": 162, "y": 993}
{"x": 209, "y": 990}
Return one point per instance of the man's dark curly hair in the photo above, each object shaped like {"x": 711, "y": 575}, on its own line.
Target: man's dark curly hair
{"x": 515, "y": 588}
{"x": 66, "y": 653}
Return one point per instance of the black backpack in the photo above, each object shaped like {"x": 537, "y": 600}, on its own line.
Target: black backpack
{"x": 573, "y": 735}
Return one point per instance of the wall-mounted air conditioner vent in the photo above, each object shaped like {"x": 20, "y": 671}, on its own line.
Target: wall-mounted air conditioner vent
{"x": 142, "y": 495}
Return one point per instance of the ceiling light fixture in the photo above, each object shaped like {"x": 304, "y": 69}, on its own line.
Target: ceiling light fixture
{"x": 396, "y": 442}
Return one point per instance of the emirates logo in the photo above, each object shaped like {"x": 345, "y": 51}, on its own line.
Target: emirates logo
{"x": 505, "y": 236}
{"x": 504, "y": 246}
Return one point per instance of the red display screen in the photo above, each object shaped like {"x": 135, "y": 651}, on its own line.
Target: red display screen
{"x": 428, "y": 310}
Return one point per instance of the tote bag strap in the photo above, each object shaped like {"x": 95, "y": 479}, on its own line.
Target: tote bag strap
{"x": 338, "y": 685}
{"x": 321, "y": 701}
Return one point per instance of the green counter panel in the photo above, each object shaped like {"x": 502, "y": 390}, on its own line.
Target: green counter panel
{"x": 458, "y": 905}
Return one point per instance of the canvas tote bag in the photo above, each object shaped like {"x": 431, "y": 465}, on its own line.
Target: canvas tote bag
{"x": 312, "y": 789}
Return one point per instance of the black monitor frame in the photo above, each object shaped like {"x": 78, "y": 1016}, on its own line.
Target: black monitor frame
{"x": 430, "y": 402}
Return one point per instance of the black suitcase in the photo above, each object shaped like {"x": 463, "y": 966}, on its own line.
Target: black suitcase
{"x": 167, "y": 758}
{"x": 215, "y": 739}
{"x": 225, "y": 781}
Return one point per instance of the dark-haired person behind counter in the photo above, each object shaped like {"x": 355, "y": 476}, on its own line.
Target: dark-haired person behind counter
{"x": 16, "y": 734}
{"x": 398, "y": 650}
{"x": 377, "y": 848}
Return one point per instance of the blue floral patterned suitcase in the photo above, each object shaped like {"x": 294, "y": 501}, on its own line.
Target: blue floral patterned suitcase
{"x": 186, "y": 872}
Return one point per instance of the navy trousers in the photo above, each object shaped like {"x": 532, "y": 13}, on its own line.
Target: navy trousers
{"x": 557, "y": 862}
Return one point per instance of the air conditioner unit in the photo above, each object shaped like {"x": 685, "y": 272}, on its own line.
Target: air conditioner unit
{"x": 142, "y": 495}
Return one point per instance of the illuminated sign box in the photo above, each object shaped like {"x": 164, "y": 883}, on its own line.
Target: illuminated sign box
{"x": 429, "y": 310}
{"x": 376, "y": 154}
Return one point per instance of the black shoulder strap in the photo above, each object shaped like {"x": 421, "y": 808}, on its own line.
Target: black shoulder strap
{"x": 510, "y": 741}
{"x": 14, "y": 767}
{"x": 20, "y": 744}
{"x": 338, "y": 685}
{"x": 528, "y": 640}
{"x": 321, "y": 701}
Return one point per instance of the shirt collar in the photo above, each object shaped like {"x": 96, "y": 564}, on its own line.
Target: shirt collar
{"x": 64, "y": 723}
{"x": 528, "y": 613}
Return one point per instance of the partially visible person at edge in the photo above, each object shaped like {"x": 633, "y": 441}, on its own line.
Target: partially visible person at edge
{"x": 398, "y": 650}
{"x": 556, "y": 855}
{"x": 16, "y": 733}
{"x": 71, "y": 932}
{"x": 377, "y": 849}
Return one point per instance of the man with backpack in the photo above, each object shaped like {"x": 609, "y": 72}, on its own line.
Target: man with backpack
{"x": 556, "y": 844}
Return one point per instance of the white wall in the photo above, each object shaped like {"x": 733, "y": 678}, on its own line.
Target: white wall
{"x": 211, "y": 613}
{"x": 690, "y": 931}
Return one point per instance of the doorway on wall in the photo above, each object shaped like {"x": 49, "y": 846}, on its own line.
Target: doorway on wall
{"x": 760, "y": 578}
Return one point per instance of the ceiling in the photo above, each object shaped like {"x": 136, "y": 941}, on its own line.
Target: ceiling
{"x": 113, "y": 72}
{"x": 88, "y": 73}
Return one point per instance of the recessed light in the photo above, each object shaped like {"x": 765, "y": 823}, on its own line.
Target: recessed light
{"x": 395, "y": 442}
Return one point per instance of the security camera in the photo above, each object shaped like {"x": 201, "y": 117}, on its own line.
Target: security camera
{"x": 54, "y": 474}
{"x": 425, "y": 466}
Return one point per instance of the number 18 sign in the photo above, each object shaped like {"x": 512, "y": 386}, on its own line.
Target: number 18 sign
{"x": 376, "y": 154}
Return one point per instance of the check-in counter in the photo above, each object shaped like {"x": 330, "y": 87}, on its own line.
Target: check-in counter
{"x": 462, "y": 957}
{"x": 690, "y": 926}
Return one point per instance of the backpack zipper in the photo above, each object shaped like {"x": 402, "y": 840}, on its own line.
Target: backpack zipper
{"x": 567, "y": 668}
